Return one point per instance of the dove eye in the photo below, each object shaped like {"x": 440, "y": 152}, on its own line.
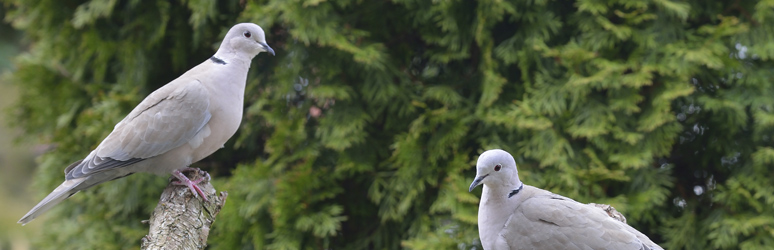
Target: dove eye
{"x": 498, "y": 167}
{"x": 247, "y": 34}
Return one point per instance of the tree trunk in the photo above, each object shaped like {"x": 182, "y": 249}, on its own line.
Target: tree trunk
{"x": 182, "y": 220}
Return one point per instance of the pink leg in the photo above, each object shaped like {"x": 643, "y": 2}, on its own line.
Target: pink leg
{"x": 191, "y": 184}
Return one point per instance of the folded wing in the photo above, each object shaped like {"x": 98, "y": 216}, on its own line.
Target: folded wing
{"x": 556, "y": 222}
{"x": 166, "y": 119}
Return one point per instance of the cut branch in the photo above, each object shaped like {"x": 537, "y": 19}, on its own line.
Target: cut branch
{"x": 182, "y": 220}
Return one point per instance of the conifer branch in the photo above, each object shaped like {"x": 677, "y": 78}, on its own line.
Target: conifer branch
{"x": 181, "y": 220}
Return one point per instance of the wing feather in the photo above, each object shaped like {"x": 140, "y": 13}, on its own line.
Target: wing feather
{"x": 557, "y": 222}
{"x": 168, "y": 118}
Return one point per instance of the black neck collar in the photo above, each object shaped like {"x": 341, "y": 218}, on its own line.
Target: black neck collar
{"x": 217, "y": 60}
{"x": 516, "y": 191}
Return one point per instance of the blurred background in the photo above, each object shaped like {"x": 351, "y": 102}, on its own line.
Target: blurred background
{"x": 363, "y": 131}
{"x": 16, "y": 156}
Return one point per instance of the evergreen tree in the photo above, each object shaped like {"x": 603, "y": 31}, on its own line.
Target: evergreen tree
{"x": 363, "y": 131}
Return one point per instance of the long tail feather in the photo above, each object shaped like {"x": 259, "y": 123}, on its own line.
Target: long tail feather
{"x": 64, "y": 191}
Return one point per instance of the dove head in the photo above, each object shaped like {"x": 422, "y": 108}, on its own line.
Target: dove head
{"x": 496, "y": 169}
{"x": 245, "y": 39}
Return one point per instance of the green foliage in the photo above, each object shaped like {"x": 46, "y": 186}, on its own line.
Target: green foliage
{"x": 363, "y": 131}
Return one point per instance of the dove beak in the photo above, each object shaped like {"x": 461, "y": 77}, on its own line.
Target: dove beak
{"x": 267, "y": 48}
{"x": 476, "y": 182}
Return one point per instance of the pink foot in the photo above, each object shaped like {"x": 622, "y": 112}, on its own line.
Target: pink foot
{"x": 191, "y": 184}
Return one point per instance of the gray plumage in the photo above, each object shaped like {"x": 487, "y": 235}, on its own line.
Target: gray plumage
{"x": 512, "y": 215}
{"x": 180, "y": 123}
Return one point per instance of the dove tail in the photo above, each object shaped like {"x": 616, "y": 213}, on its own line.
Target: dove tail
{"x": 64, "y": 191}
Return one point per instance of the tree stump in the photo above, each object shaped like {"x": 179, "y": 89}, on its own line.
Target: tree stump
{"x": 182, "y": 220}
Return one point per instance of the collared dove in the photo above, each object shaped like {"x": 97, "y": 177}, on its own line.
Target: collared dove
{"x": 512, "y": 215}
{"x": 180, "y": 123}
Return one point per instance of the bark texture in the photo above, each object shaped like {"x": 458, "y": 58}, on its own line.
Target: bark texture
{"x": 610, "y": 210}
{"x": 182, "y": 220}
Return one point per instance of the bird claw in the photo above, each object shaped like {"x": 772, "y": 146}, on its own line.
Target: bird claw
{"x": 191, "y": 184}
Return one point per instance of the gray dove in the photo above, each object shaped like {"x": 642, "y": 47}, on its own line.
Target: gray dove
{"x": 512, "y": 215}
{"x": 180, "y": 123}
